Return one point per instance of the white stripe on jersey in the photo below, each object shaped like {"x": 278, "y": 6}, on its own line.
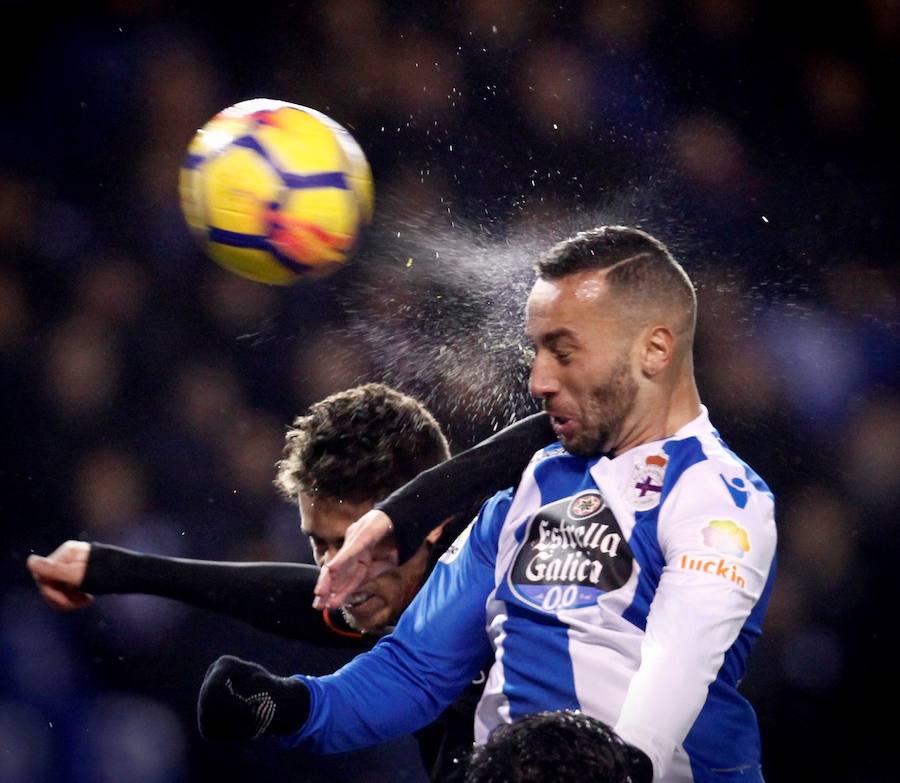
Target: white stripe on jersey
{"x": 691, "y": 517}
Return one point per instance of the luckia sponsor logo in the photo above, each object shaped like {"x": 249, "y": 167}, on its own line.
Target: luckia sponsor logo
{"x": 727, "y": 538}
{"x": 717, "y": 567}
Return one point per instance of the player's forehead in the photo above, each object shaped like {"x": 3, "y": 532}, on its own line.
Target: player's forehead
{"x": 567, "y": 305}
{"x": 328, "y": 518}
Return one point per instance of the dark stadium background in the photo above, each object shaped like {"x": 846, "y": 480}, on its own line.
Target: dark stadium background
{"x": 145, "y": 392}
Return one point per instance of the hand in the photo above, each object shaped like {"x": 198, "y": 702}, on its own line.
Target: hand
{"x": 60, "y": 575}
{"x": 240, "y": 700}
{"x": 359, "y": 560}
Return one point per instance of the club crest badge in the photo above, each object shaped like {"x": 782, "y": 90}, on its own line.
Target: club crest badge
{"x": 585, "y": 505}
{"x": 645, "y": 486}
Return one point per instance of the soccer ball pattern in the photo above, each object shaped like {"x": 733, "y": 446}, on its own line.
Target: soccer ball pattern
{"x": 276, "y": 192}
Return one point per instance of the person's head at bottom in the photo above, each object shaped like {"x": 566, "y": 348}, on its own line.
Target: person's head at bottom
{"x": 555, "y": 747}
{"x": 347, "y": 452}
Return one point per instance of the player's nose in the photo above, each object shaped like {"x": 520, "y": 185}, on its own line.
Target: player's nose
{"x": 542, "y": 381}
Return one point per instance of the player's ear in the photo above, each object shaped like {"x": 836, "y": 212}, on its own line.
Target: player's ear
{"x": 657, "y": 350}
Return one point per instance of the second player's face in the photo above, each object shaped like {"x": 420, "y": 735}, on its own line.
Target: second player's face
{"x": 582, "y": 368}
{"x": 379, "y": 602}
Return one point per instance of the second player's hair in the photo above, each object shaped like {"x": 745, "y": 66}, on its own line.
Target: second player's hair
{"x": 551, "y": 747}
{"x": 643, "y": 273}
{"x": 359, "y": 445}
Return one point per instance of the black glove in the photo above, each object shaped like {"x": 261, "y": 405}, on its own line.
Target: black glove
{"x": 640, "y": 767}
{"x": 240, "y": 700}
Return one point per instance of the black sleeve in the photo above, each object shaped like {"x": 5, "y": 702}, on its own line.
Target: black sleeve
{"x": 274, "y": 597}
{"x": 470, "y": 477}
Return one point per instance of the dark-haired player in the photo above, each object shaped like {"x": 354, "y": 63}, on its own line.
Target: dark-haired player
{"x": 627, "y": 576}
{"x": 349, "y": 450}
{"x": 552, "y": 747}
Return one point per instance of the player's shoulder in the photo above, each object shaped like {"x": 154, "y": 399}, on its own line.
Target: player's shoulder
{"x": 718, "y": 501}
{"x": 734, "y": 472}
{"x": 483, "y": 532}
{"x": 485, "y": 528}
{"x": 498, "y": 503}
{"x": 553, "y": 451}
{"x": 698, "y": 452}
{"x": 708, "y": 479}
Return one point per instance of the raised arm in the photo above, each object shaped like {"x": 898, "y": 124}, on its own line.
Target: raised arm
{"x": 402, "y": 684}
{"x": 273, "y": 597}
{"x": 463, "y": 481}
{"x": 414, "y": 509}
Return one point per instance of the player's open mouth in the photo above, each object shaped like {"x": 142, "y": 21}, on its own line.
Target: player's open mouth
{"x": 357, "y": 599}
{"x": 562, "y": 425}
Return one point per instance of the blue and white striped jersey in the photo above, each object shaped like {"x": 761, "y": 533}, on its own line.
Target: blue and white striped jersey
{"x": 630, "y": 588}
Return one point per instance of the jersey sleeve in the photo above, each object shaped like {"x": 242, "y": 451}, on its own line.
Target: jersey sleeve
{"x": 463, "y": 482}
{"x": 437, "y": 648}
{"x": 718, "y": 550}
{"x": 274, "y": 597}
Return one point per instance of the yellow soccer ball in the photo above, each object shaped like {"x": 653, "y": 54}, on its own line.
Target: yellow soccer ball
{"x": 276, "y": 192}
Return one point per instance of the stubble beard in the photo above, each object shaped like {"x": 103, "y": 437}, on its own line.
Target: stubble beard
{"x": 605, "y": 412}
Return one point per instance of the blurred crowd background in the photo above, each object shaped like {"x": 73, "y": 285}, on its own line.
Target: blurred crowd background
{"x": 145, "y": 392}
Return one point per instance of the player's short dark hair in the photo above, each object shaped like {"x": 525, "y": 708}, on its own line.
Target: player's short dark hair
{"x": 551, "y": 747}
{"x": 642, "y": 269}
{"x": 358, "y": 445}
